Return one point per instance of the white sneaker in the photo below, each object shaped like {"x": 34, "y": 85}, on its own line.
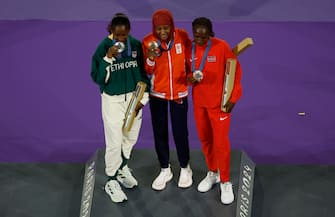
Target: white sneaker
{"x": 164, "y": 176}
{"x": 207, "y": 183}
{"x": 185, "y": 177}
{"x": 227, "y": 195}
{"x": 125, "y": 177}
{"x": 114, "y": 191}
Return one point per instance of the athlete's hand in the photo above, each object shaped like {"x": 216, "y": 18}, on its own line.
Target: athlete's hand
{"x": 192, "y": 80}
{"x": 151, "y": 54}
{"x": 229, "y": 106}
{"x": 139, "y": 106}
{"x": 112, "y": 52}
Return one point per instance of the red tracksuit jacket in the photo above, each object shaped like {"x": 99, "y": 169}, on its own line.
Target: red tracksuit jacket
{"x": 208, "y": 92}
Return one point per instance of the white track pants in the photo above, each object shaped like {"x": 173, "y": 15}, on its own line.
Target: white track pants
{"x": 113, "y": 113}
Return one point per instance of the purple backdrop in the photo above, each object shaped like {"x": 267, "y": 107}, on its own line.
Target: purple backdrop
{"x": 50, "y": 108}
{"x": 186, "y": 10}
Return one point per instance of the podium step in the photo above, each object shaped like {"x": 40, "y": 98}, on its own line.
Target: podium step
{"x": 173, "y": 201}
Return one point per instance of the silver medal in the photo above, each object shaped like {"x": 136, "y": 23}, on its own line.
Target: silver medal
{"x": 198, "y": 75}
{"x": 120, "y": 46}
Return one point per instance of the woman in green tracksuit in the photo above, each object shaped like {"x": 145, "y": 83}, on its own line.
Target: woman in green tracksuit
{"x": 117, "y": 70}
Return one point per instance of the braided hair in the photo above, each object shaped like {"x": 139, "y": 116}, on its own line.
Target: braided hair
{"x": 203, "y": 21}
{"x": 118, "y": 19}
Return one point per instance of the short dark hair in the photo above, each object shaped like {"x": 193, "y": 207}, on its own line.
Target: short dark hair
{"x": 203, "y": 21}
{"x": 118, "y": 19}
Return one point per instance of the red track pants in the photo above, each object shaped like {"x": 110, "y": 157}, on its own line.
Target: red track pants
{"x": 213, "y": 127}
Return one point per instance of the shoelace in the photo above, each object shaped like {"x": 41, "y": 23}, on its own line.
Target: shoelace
{"x": 226, "y": 186}
{"x": 126, "y": 172}
{"x": 164, "y": 173}
{"x": 185, "y": 172}
{"x": 211, "y": 175}
{"x": 113, "y": 185}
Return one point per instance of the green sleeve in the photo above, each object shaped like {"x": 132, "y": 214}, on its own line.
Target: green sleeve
{"x": 98, "y": 67}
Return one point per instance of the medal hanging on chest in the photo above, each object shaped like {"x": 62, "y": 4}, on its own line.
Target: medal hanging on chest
{"x": 197, "y": 73}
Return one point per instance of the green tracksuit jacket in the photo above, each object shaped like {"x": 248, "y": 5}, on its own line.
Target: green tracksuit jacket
{"x": 125, "y": 71}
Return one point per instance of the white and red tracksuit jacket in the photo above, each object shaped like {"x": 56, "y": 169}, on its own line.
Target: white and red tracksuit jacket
{"x": 168, "y": 71}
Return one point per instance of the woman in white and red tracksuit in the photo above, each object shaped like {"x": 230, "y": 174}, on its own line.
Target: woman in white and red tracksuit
{"x": 166, "y": 67}
{"x": 209, "y": 55}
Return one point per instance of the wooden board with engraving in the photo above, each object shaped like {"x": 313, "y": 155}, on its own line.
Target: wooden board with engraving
{"x": 135, "y": 99}
{"x": 229, "y": 77}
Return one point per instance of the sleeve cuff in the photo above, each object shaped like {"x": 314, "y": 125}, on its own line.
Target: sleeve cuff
{"x": 145, "y": 98}
{"x": 109, "y": 60}
{"x": 149, "y": 62}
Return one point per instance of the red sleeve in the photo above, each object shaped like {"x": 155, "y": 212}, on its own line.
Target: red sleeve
{"x": 237, "y": 90}
{"x": 187, "y": 40}
{"x": 188, "y": 50}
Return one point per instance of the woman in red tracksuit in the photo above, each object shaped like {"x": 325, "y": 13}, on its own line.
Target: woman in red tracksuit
{"x": 165, "y": 63}
{"x": 209, "y": 55}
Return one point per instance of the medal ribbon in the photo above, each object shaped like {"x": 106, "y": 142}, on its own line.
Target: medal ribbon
{"x": 169, "y": 46}
{"x": 203, "y": 60}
